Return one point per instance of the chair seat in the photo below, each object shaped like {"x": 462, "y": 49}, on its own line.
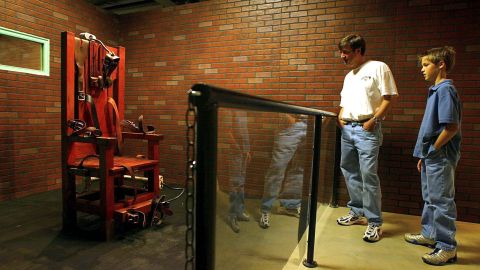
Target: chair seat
{"x": 135, "y": 163}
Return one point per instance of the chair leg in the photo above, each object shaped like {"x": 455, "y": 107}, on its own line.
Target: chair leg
{"x": 109, "y": 229}
{"x": 69, "y": 214}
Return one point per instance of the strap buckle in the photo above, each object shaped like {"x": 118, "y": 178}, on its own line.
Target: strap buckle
{"x": 81, "y": 95}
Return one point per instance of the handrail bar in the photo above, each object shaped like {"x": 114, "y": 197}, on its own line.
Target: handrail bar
{"x": 228, "y": 98}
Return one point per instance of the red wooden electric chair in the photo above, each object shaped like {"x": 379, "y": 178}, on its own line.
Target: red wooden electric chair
{"x": 93, "y": 82}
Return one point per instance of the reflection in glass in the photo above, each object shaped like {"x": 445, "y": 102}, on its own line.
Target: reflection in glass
{"x": 263, "y": 167}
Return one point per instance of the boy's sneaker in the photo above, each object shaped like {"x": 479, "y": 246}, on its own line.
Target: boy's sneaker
{"x": 419, "y": 239}
{"x": 351, "y": 220}
{"x": 265, "y": 220}
{"x": 243, "y": 217}
{"x": 294, "y": 212}
{"x": 232, "y": 221}
{"x": 373, "y": 233}
{"x": 440, "y": 257}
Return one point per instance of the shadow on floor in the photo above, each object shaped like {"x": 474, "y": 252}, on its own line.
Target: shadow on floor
{"x": 31, "y": 238}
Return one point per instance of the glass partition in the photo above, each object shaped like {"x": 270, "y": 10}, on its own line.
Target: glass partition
{"x": 262, "y": 169}
{"x": 263, "y": 183}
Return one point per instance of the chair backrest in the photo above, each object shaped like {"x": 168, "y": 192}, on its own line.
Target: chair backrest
{"x": 85, "y": 64}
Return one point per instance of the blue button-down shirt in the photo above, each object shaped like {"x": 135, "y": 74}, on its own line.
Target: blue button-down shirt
{"x": 443, "y": 107}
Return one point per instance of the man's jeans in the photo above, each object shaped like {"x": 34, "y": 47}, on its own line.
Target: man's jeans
{"x": 285, "y": 147}
{"x": 237, "y": 172}
{"x": 359, "y": 162}
{"x": 438, "y": 192}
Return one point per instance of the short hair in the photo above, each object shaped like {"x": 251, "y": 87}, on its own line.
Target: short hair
{"x": 354, "y": 41}
{"x": 445, "y": 54}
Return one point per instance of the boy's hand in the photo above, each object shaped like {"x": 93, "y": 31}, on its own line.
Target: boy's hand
{"x": 419, "y": 166}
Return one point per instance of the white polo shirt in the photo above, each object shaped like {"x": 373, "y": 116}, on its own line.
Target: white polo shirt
{"x": 363, "y": 89}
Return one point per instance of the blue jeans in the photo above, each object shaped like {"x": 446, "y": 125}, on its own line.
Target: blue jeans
{"x": 285, "y": 147}
{"x": 237, "y": 172}
{"x": 438, "y": 192}
{"x": 359, "y": 163}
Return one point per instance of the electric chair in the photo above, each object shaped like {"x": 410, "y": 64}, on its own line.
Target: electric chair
{"x": 93, "y": 132}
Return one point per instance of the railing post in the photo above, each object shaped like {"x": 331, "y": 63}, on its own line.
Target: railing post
{"x": 312, "y": 219}
{"x": 205, "y": 187}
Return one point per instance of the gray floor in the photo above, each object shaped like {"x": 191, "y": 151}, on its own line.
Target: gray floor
{"x": 30, "y": 238}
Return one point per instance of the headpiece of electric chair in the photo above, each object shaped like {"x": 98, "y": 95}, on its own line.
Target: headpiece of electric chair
{"x": 110, "y": 62}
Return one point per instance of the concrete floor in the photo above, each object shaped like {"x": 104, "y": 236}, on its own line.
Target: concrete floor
{"x": 30, "y": 238}
{"x": 336, "y": 247}
{"x": 339, "y": 247}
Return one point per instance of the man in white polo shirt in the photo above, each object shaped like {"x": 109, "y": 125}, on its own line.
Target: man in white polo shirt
{"x": 367, "y": 93}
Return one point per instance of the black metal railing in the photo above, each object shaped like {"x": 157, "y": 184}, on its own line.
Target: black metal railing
{"x": 207, "y": 100}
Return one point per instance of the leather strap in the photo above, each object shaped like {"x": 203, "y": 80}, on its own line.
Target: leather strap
{"x": 132, "y": 175}
{"x": 87, "y": 178}
{"x": 150, "y": 129}
{"x": 93, "y": 110}
{"x": 118, "y": 128}
{"x": 81, "y": 53}
{"x": 80, "y": 165}
{"x": 79, "y": 127}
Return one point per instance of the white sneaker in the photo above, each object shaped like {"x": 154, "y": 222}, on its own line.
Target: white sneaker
{"x": 351, "y": 220}
{"x": 440, "y": 257}
{"x": 265, "y": 220}
{"x": 373, "y": 233}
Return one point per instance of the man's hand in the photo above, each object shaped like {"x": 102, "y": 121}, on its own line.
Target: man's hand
{"x": 370, "y": 124}
{"x": 248, "y": 157}
{"x": 419, "y": 166}
{"x": 291, "y": 119}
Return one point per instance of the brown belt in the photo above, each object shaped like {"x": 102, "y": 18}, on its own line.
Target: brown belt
{"x": 355, "y": 123}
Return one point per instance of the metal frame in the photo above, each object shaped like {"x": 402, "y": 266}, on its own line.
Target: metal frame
{"x": 45, "y": 51}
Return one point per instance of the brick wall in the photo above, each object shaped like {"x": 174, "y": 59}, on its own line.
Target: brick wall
{"x": 286, "y": 50}
{"x": 30, "y": 157}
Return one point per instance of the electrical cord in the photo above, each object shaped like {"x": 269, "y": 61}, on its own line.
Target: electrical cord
{"x": 174, "y": 188}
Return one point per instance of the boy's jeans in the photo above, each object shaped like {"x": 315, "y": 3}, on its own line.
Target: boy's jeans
{"x": 285, "y": 148}
{"x": 438, "y": 192}
{"x": 359, "y": 162}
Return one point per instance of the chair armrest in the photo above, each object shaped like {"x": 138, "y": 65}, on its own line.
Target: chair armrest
{"x": 94, "y": 140}
{"x": 142, "y": 136}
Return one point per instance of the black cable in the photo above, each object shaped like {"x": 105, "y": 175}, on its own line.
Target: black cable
{"x": 176, "y": 197}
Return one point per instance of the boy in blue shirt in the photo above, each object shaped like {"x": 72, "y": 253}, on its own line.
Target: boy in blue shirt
{"x": 438, "y": 150}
